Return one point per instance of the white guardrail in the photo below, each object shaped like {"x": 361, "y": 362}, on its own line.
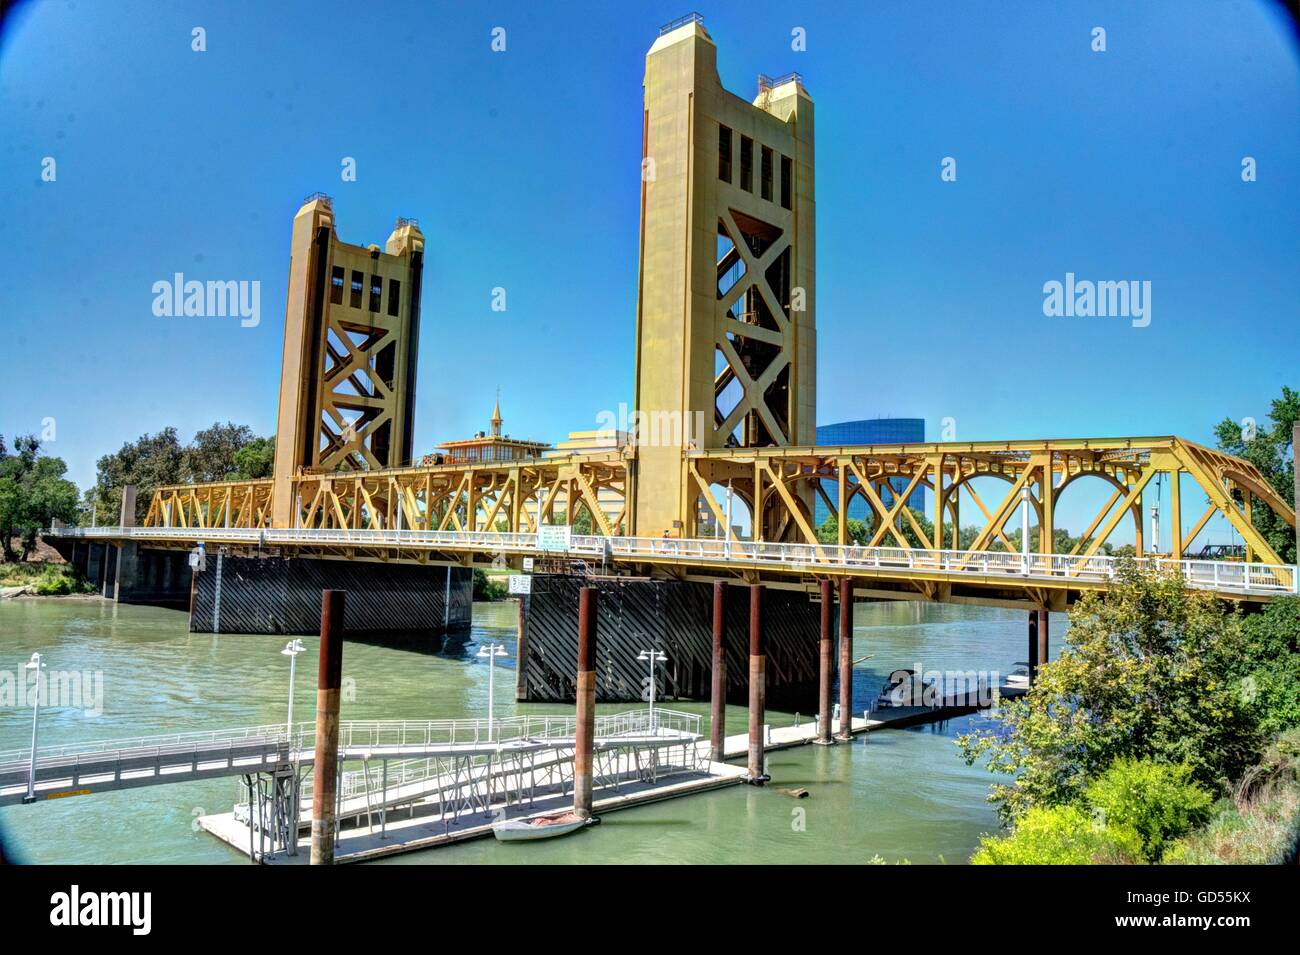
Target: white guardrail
{"x": 367, "y": 734}
{"x": 1216, "y": 575}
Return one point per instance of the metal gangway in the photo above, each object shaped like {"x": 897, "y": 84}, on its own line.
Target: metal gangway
{"x": 527, "y": 758}
{"x": 455, "y": 766}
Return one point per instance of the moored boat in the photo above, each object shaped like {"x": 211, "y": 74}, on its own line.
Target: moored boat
{"x": 538, "y": 827}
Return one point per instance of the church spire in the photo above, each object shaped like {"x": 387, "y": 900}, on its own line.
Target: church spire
{"x": 496, "y": 417}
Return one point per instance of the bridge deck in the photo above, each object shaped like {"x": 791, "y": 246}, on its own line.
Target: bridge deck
{"x": 932, "y": 569}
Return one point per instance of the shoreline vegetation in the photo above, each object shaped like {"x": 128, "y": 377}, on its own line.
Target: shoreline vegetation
{"x": 42, "y": 578}
{"x": 1166, "y": 732}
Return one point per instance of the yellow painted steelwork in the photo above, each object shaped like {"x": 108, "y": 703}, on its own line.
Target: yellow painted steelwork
{"x": 347, "y": 384}
{"x": 451, "y": 497}
{"x": 775, "y": 483}
{"x": 726, "y": 337}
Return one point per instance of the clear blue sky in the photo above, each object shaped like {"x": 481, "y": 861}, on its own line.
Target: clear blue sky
{"x": 523, "y": 167}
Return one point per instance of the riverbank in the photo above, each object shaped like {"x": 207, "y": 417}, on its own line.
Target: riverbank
{"x": 41, "y": 578}
{"x": 904, "y": 795}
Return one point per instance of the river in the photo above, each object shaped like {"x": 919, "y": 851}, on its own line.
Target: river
{"x": 895, "y": 794}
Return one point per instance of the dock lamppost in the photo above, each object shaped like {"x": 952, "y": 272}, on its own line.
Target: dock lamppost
{"x": 490, "y": 652}
{"x": 37, "y": 664}
{"x": 652, "y": 657}
{"x": 291, "y": 650}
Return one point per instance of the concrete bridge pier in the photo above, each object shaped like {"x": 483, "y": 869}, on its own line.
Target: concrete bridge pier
{"x": 825, "y": 667}
{"x": 585, "y": 731}
{"x": 128, "y": 552}
{"x": 718, "y": 687}
{"x": 757, "y": 686}
{"x": 846, "y": 660}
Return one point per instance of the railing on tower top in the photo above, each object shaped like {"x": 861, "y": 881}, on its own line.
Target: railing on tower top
{"x": 680, "y": 22}
{"x": 767, "y": 83}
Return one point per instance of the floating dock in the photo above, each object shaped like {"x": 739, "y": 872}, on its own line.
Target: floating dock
{"x": 375, "y": 832}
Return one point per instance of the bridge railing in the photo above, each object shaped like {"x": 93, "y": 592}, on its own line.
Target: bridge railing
{"x": 377, "y": 734}
{"x": 1209, "y": 574}
{"x": 1221, "y": 576}
{"x": 174, "y": 748}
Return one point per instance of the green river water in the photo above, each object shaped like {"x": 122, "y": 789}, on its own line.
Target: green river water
{"x": 898, "y": 794}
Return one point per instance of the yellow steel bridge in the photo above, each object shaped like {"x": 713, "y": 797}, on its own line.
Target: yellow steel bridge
{"x": 726, "y": 335}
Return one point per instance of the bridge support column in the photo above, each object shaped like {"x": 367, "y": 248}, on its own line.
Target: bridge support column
{"x": 328, "y": 682}
{"x": 846, "y": 659}
{"x": 718, "y": 688}
{"x": 825, "y": 668}
{"x": 126, "y": 577}
{"x": 1044, "y": 631}
{"x": 757, "y": 685}
{"x": 1033, "y": 647}
{"x": 585, "y": 732}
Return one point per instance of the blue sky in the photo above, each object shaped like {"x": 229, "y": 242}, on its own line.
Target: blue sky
{"x": 523, "y": 167}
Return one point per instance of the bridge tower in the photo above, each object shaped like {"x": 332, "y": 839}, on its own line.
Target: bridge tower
{"x": 726, "y": 334}
{"x": 351, "y": 330}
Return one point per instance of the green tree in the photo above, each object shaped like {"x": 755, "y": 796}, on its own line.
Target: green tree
{"x": 1266, "y": 447}
{"x": 33, "y": 494}
{"x": 857, "y": 532}
{"x": 256, "y": 459}
{"x": 211, "y": 456}
{"x": 1269, "y": 675}
{"x": 149, "y": 462}
{"x": 1148, "y": 671}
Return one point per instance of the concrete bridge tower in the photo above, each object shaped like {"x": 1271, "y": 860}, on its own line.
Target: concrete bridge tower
{"x": 351, "y": 335}
{"x": 726, "y": 332}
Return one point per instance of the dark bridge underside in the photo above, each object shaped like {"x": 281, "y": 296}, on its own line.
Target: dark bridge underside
{"x": 283, "y": 595}
{"x": 637, "y": 614}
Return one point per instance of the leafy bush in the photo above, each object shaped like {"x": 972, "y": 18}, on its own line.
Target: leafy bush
{"x": 56, "y": 581}
{"x": 1060, "y": 835}
{"x": 1157, "y": 800}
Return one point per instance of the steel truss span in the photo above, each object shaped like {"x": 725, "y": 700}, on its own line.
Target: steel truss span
{"x": 413, "y": 513}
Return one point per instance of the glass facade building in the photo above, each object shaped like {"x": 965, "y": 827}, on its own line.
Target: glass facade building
{"x": 872, "y": 431}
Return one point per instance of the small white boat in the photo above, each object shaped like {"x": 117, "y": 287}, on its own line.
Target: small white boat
{"x": 1018, "y": 678}
{"x": 905, "y": 688}
{"x": 538, "y": 827}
